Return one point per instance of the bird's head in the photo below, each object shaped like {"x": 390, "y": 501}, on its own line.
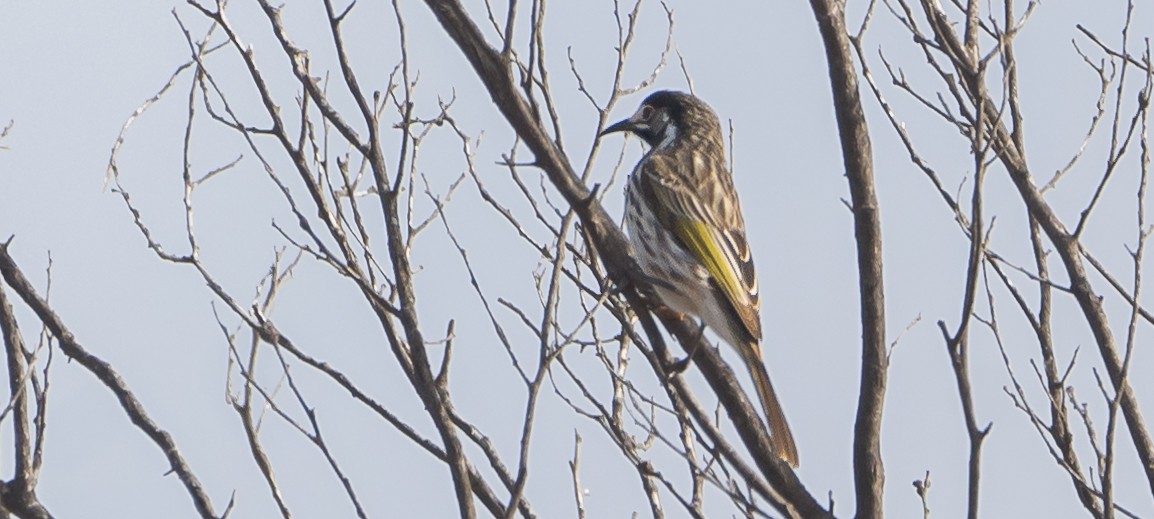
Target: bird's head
{"x": 666, "y": 115}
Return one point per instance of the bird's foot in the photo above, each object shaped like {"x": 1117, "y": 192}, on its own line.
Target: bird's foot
{"x": 692, "y": 347}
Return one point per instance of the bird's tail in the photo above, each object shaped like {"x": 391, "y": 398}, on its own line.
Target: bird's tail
{"x": 778, "y": 428}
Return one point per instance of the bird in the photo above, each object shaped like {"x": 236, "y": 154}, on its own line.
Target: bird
{"x": 688, "y": 235}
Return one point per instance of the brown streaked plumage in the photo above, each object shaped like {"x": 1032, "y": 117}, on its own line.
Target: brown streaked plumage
{"x": 685, "y": 225}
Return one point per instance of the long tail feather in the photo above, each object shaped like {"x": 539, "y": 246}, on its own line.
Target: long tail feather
{"x": 778, "y": 428}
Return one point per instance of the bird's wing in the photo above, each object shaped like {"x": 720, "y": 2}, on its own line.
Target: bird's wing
{"x": 710, "y": 229}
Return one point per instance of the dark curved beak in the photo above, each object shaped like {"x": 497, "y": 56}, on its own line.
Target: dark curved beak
{"x": 622, "y": 126}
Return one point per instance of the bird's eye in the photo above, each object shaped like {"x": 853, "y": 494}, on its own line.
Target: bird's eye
{"x": 646, "y": 112}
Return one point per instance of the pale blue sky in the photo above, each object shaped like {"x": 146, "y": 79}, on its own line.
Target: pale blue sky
{"x": 71, "y": 72}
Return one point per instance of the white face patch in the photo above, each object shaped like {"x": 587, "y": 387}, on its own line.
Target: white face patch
{"x": 670, "y": 133}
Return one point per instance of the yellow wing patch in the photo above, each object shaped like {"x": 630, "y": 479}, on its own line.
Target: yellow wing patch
{"x": 699, "y": 240}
